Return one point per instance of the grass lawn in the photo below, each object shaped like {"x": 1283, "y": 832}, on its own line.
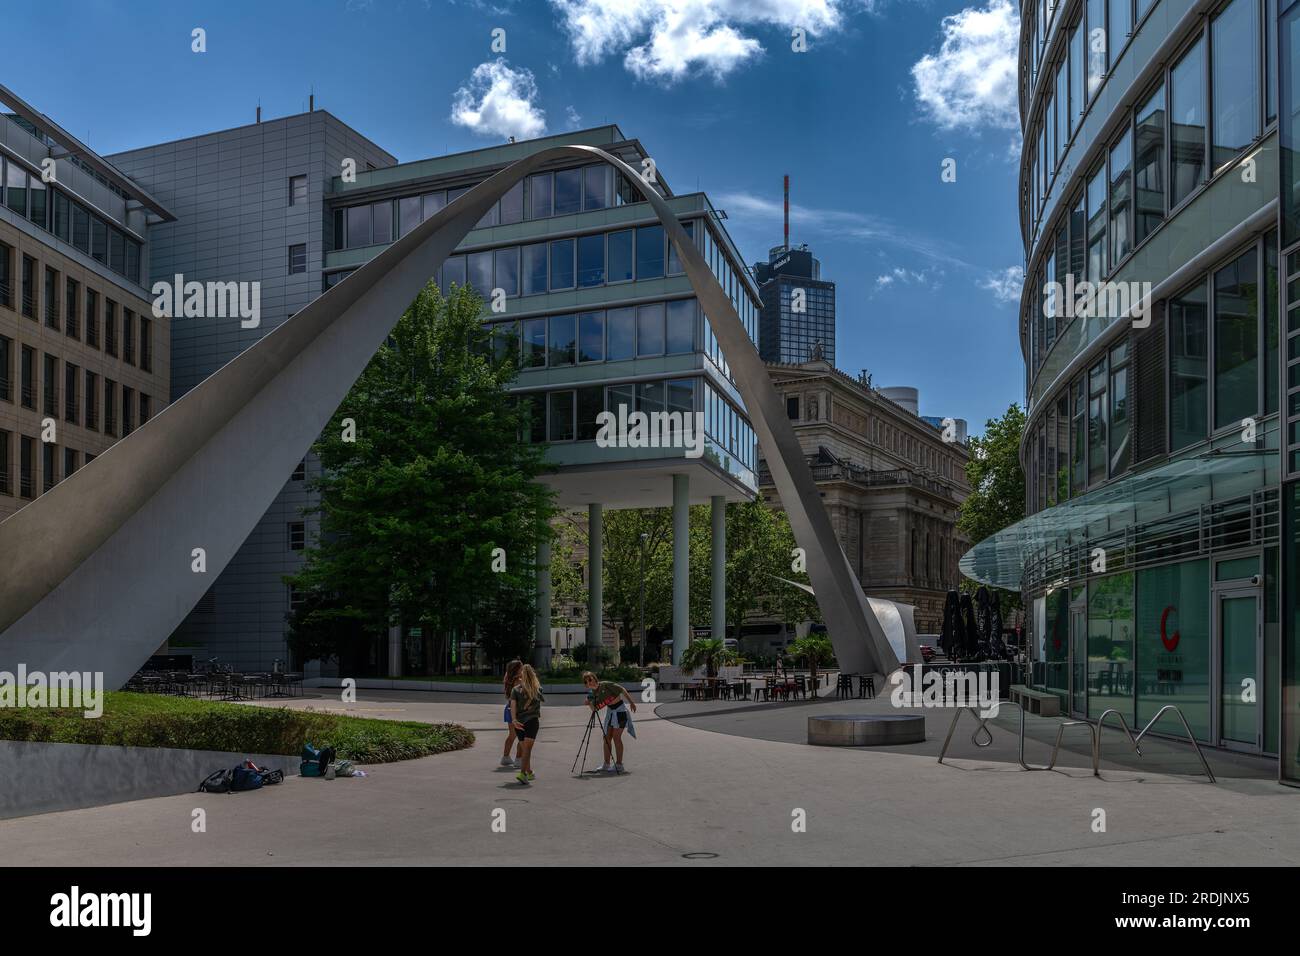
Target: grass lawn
{"x": 156, "y": 720}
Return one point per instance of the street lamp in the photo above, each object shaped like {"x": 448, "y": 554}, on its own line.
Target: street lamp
{"x": 644, "y": 538}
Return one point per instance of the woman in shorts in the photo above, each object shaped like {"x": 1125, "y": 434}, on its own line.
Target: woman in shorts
{"x": 526, "y": 709}
{"x": 508, "y": 684}
{"x": 616, "y": 701}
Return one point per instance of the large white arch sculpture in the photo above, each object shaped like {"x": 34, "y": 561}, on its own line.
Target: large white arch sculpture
{"x": 98, "y": 569}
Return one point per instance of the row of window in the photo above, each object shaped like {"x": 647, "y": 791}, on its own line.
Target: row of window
{"x": 612, "y": 335}
{"x": 64, "y": 298}
{"x": 1221, "y": 340}
{"x": 540, "y": 196}
{"x": 25, "y": 473}
{"x": 80, "y": 389}
{"x": 56, "y": 212}
{"x": 1207, "y": 108}
{"x": 568, "y": 415}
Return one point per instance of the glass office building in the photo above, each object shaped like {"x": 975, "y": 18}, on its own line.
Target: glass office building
{"x": 797, "y": 322}
{"x": 1157, "y": 559}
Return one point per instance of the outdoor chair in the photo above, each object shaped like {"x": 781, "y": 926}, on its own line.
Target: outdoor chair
{"x": 844, "y": 686}
{"x": 866, "y": 685}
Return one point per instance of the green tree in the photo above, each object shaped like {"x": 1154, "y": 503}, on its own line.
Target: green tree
{"x": 815, "y": 650}
{"x": 623, "y": 577}
{"x": 427, "y": 481}
{"x": 997, "y": 496}
{"x": 709, "y": 653}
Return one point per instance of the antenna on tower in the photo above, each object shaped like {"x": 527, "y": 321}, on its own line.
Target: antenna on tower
{"x": 786, "y": 234}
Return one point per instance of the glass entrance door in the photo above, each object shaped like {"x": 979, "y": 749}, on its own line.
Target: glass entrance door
{"x": 1240, "y": 686}
{"x": 1079, "y": 661}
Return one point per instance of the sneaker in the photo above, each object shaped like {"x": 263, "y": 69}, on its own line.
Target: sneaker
{"x": 531, "y": 776}
{"x": 618, "y": 768}
{"x": 506, "y": 762}
{"x": 516, "y": 763}
{"x": 522, "y": 777}
{"x": 607, "y": 768}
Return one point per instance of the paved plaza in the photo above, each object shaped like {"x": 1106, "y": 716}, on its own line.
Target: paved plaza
{"x": 707, "y": 784}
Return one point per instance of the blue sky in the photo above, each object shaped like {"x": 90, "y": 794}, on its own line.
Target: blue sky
{"x": 863, "y": 120}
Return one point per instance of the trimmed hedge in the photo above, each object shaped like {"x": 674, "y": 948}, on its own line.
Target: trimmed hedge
{"x": 154, "y": 720}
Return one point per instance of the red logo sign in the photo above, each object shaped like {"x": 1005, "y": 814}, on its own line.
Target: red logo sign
{"x": 1170, "y": 643}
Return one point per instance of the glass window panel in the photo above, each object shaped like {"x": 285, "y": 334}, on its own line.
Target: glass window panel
{"x": 1236, "y": 341}
{"x": 1270, "y": 55}
{"x": 568, "y": 191}
{"x": 1119, "y": 424}
{"x": 534, "y": 351}
{"x": 480, "y": 273}
{"x": 1076, "y": 76}
{"x": 650, "y": 329}
{"x": 1149, "y": 175}
{"x": 1096, "y": 45}
{"x": 1062, "y": 108}
{"x": 505, "y": 340}
{"x": 674, "y": 263}
{"x": 37, "y": 201}
{"x": 561, "y": 416}
{"x": 1119, "y": 26}
{"x": 490, "y": 218}
{"x": 1188, "y": 368}
{"x": 595, "y": 187}
{"x": 681, "y": 326}
{"x": 1078, "y": 239}
{"x": 1097, "y": 423}
{"x": 1110, "y": 645}
{"x": 507, "y": 270}
{"x": 1187, "y": 123}
{"x": 622, "y": 333}
{"x": 98, "y": 239}
{"x": 512, "y": 204}
{"x": 382, "y": 220}
{"x": 1097, "y": 225}
{"x": 62, "y": 216}
{"x": 650, "y": 397}
{"x": 409, "y": 213}
{"x": 1234, "y": 36}
{"x": 454, "y": 194}
{"x": 358, "y": 226}
{"x": 433, "y": 202}
{"x": 1173, "y": 652}
{"x": 534, "y": 268}
{"x": 1121, "y": 197}
{"x": 539, "y": 196}
{"x": 563, "y": 339}
{"x": 453, "y": 273}
{"x": 16, "y": 188}
{"x": 116, "y": 251}
{"x": 650, "y": 252}
{"x": 562, "y": 264}
{"x": 591, "y": 260}
{"x": 591, "y": 402}
{"x": 620, "y": 256}
{"x": 591, "y": 337}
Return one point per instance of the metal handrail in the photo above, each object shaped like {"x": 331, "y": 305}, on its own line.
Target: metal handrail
{"x": 983, "y": 725}
{"x": 1096, "y": 745}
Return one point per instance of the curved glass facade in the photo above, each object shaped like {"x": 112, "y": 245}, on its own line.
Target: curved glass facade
{"x": 1159, "y": 396}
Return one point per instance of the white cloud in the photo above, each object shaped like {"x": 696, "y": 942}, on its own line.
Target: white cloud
{"x": 971, "y": 81}
{"x": 574, "y": 117}
{"x": 498, "y": 100}
{"x": 668, "y": 40}
{"x": 1005, "y": 284}
{"x": 898, "y": 276}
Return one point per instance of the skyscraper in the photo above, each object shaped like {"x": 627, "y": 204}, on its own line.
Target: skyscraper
{"x": 798, "y": 316}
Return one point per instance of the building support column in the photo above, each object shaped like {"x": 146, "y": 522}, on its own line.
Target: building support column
{"x": 542, "y": 630}
{"x": 719, "y": 553}
{"x": 394, "y": 650}
{"x": 595, "y": 579}
{"x": 681, "y": 565}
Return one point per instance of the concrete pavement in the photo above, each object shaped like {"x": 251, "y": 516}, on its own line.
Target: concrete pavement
{"x": 688, "y": 791}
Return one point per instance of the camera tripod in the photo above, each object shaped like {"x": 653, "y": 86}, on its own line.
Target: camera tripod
{"x": 586, "y": 744}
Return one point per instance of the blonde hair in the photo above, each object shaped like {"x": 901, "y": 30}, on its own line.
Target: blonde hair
{"x": 529, "y": 682}
{"x": 587, "y": 674}
{"x": 512, "y": 675}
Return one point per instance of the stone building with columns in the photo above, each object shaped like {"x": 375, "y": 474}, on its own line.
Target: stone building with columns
{"x": 890, "y": 480}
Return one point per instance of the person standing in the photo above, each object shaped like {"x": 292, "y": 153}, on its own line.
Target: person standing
{"x": 616, "y": 701}
{"x": 508, "y": 684}
{"x": 526, "y": 710}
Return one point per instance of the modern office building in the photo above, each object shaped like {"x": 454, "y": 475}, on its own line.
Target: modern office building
{"x": 250, "y": 207}
{"x": 889, "y": 480}
{"x": 593, "y": 295}
{"x": 596, "y": 301}
{"x": 1158, "y": 559}
{"x": 83, "y": 361}
{"x": 797, "y": 323}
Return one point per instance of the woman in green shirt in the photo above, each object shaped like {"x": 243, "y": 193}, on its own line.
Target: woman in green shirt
{"x": 526, "y": 710}
{"x": 614, "y": 698}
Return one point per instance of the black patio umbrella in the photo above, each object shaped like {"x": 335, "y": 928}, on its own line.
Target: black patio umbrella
{"x": 970, "y": 638}
{"x": 949, "y": 637}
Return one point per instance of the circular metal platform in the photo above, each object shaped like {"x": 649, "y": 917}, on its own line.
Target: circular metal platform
{"x": 865, "y": 730}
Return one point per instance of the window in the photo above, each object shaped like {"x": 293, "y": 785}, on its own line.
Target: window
{"x": 26, "y": 464}
{"x": 649, "y": 252}
{"x": 408, "y": 213}
{"x": 73, "y": 325}
{"x": 1188, "y": 361}
{"x": 69, "y": 462}
{"x": 6, "y": 276}
{"x": 1121, "y": 197}
{"x": 534, "y": 354}
{"x": 116, "y": 251}
{"x": 1149, "y": 168}
{"x": 300, "y": 472}
{"x": 110, "y": 407}
{"x": 298, "y": 258}
{"x": 38, "y": 210}
{"x": 49, "y": 465}
{"x": 563, "y": 339}
{"x": 92, "y": 318}
{"x": 621, "y": 324}
{"x": 128, "y": 336}
{"x": 6, "y": 483}
{"x": 1097, "y": 225}
{"x": 27, "y": 377}
{"x": 146, "y": 344}
{"x": 1078, "y": 454}
{"x": 1234, "y": 39}
{"x": 297, "y": 535}
{"x": 511, "y": 206}
{"x": 453, "y": 273}
{"x": 1236, "y": 341}
{"x": 297, "y": 190}
{"x": 1119, "y": 418}
{"x": 1187, "y": 123}
{"x": 595, "y": 187}
{"x": 16, "y": 188}
{"x": 568, "y": 191}
{"x": 591, "y": 337}
{"x": 62, "y": 216}
{"x": 1121, "y": 24}
{"x": 80, "y": 227}
{"x": 6, "y": 368}
{"x": 591, "y": 402}
{"x": 29, "y": 287}
{"x": 479, "y": 272}
{"x": 535, "y": 268}
{"x": 675, "y": 267}
{"x": 620, "y": 256}
{"x": 50, "y": 386}
{"x": 358, "y": 226}
{"x": 1097, "y": 422}
{"x": 562, "y": 264}
{"x": 591, "y": 260}
{"x": 433, "y": 202}
{"x": 110, "y": 327}
{"x": 650, "y": 329}
{"x": 128, "y": 411}
{"x": 51, "y": 298}
{"x": 560, "y": 407}
{"x": 791, "y": 407}
{"x": 1096, "y": 45}
{"x": 92, "y": 399}
{"x": 71, "y": 401}
{"x": 98, "y": 240}
{"x": 539, "y": 196}
{"x": 146, "y": 407}
{"x": 680, "y": 334}
{"x": 506, "y": 266}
